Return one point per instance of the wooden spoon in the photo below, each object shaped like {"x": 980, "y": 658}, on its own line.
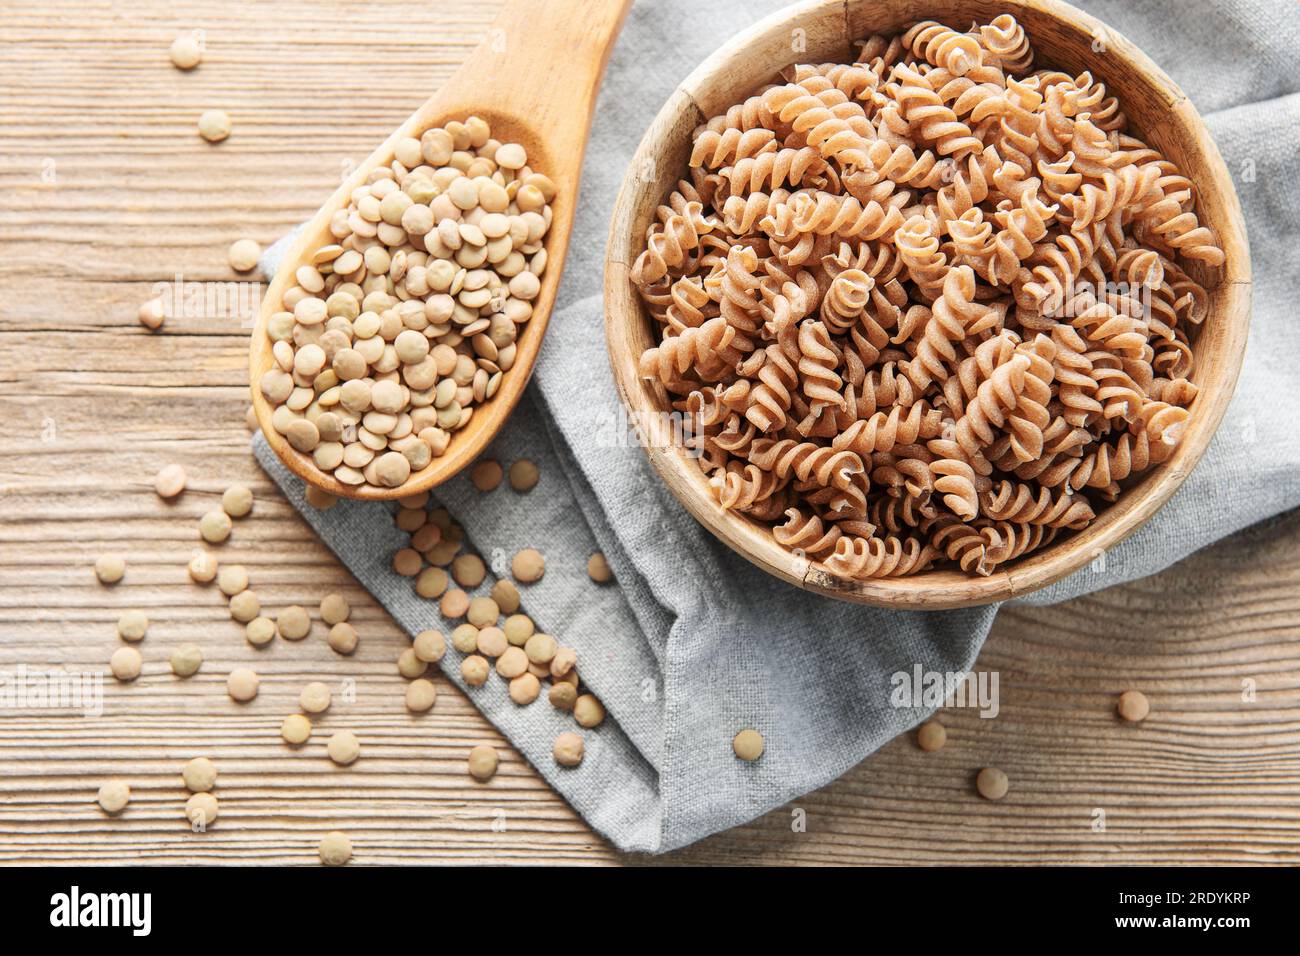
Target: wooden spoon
{"x": 534, "y": 78}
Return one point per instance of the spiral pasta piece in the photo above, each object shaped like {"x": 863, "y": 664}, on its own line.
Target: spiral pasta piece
{"x": 846, "y": 299}
{"x": 784, "y": 167}
{"x": 669, "y": 243}
{"x": 936, "y": 123}
{"x": 808, "y": 107}
{"x": 1017, "y": 502}
{"x": 740, "y": 488}
{"x": 957, "y": 52}
{"x": 823, "y": 214}
{"x": 806, "y": 532}
{"x": 955, "y": 317}
{"x": 1005, "y": 43}
{"x": 817, "y": 363}
{"x": 884, "y": 431}
{"x": 716, "y": 148}
{"x": 828, "y": 467}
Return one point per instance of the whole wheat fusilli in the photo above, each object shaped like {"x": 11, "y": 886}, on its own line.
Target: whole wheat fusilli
{"x": 928, "y": 308}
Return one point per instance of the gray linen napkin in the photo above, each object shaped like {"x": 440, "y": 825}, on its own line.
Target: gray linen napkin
{"x": 694, "y": 643}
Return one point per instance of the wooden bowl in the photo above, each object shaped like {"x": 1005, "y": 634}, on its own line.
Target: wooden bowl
{"x": 822, "y": 31}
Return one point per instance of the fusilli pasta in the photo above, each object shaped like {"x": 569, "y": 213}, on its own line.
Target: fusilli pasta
{"x": 931, "y": 308}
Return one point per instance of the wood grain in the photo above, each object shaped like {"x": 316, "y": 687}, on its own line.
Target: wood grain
{"x": 1063, "y": 38}
{"x": 94, "y": 405}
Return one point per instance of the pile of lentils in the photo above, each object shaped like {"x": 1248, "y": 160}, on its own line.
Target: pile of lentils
{"x": 398, "y": 329}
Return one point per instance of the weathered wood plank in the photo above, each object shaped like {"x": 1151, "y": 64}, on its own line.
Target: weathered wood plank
{"x": 94, "y": 405}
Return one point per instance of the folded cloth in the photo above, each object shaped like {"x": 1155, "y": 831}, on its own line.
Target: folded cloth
{"x": 693, "y": 643}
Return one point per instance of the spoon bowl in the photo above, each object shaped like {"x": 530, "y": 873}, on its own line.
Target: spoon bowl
{"x": 534, "y": 79}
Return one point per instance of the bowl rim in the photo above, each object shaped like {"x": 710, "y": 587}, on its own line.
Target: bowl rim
{"x": 934, "y": 589}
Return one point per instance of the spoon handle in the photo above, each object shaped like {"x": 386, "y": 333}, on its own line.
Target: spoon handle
{"x": 540, "y": 62}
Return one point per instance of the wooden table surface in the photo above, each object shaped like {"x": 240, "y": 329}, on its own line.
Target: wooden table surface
{"x": 105, "y": 189}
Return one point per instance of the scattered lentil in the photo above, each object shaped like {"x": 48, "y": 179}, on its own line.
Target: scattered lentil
{"x": 931, "y": 736}
{"x": 170, "y": 481}
{"x": 524, "y": 689}
{"x": 335, "y": 848}
{"x": 203, "y": 568}
{"x": 454, "y": 603}
{"x": 110, "y": 568}
{"x": 113, "y": 796}
{"x": 293, "y": 623}
{"x": 524, "y": 475}
{"x": 242, "y": 684}
{"x": 237, "y": 501}
{"x": 152, "y": 315}
{"x": 132, "y": 626}
{"x": 260, "y": 631}
{"x": 186, "y": 660}
{"x": 214, "y": 527}
{"x": 429, "y": 646}
{"x": 563, "y": 696}
{"x": 992, "y": 783}
{"x": 214, "y": 125}
{"x": 296, "y": 729}
{"x": 748, "y": 744}
{"x": 506, "y": 595}
{"x": 474, "y": 670}
{"x": 492, "y": 642}
{"x": 483, "y": 762}
{"x": 343, "y": 748}
{"x": 528, "y": 566}
{"x": 199, "y": 775}
{"x": 245, "y": 606}
{"x": 443, "y": 552}
{"x": 541, "y": 648}
{"x": 426, "y": 537}
{"x": 465, "y": 638}
{"x": 486, "y": 474}
{"x": 563, "y": 661}
{"x": 431, "y": 583}
{"x": 343, "y": 638}
{"x": 407, "y": 562}
{"x": 1133, "y": 705}
{"x": 319, "y": 499}
{"x": 598, "y": 568}
{"x": 201, "y": 810}
{"x": 186, "y": 52}
{"x": 589, "y": 712}
{"x": 243, "y": 255}
{"x": 315, "y": 698}
{"x": 334, "y": 609}
{"x": 568, "y": 749}
{"x": 231, "y": 579}
{"x": 468, "y": 570}
{"x": 483, "y": 611}
{"x": 519, "y": 628}
{"x": 126, "y": 663}
{"x": 420, "y": 695}
{"x": 512, "y": 662}
{"x": 410, "y": 666}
